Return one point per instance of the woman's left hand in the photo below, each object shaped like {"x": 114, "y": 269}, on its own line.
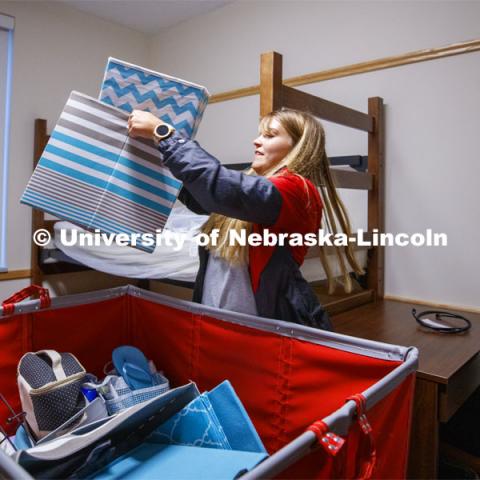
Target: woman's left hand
{"x": 142, "y": 124}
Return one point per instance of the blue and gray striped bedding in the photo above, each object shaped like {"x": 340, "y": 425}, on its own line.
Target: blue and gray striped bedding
{"x": 93, "y": 174}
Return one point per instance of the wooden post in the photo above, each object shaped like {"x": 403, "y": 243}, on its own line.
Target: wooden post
{"x": 37, "y": 215}
{"x": 270, "y": 82}
{"x": 376, "y": 200}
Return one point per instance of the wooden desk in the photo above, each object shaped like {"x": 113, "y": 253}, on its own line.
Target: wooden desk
{"x": 449, "y": 369}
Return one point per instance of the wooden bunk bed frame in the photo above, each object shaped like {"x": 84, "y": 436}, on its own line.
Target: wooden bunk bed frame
{"x": 274, "y": 95}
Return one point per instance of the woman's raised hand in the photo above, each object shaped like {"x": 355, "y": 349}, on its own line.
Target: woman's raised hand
{"x": 142, "y": 124}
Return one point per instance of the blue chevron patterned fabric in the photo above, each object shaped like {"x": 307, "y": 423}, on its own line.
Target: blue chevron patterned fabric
{"x": 177, "y": 102}
{"x": 93, "y": 174}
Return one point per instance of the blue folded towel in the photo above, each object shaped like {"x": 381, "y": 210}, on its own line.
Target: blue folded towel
{"x": 233, "y": 417}
{"x": 175, "y": 462}
{"x": 215, "y": 419}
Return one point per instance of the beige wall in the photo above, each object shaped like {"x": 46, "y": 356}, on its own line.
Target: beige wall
{"x": 56, "y": 49}
{"x": 432, "y": 113}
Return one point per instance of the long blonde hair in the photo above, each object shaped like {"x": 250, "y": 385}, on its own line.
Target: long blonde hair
{"x": 308, "y": 159}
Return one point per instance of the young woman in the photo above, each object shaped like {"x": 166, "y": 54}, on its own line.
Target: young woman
{"x": 278, "y": 194}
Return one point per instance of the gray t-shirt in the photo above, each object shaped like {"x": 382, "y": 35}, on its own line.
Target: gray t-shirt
{"x": 228, "y": 287}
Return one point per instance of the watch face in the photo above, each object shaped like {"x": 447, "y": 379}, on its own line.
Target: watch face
{"x": 162, "y": 130}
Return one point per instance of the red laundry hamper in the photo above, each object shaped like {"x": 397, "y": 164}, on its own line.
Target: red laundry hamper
{"x": 325, "y": 405}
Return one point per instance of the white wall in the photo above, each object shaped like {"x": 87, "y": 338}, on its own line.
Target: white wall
{"x": 431, "y": 108}
{"x": 432, "y": 112}
{"x": 56, "y": 49}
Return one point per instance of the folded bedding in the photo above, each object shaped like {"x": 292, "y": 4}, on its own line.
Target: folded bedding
{"x": 177, "y": 261}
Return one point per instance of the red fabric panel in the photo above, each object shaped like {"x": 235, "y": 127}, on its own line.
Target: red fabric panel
{"x": 251, "y": 360}
{"x": 13, "y": 339}
{"x": 191, "y": 347}
{"x": 320, "y": 380}
{"x": 391, "y": 422}
{"x": 165, "y": 335}
{"x": 285, "y": 384}
{"x": 88, "y": 331}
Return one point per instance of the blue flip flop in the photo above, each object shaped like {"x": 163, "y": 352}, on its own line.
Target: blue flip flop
{"x": 132, "y": 365}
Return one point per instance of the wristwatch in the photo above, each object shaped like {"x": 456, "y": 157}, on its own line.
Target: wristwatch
{"x": 161, "y": 132}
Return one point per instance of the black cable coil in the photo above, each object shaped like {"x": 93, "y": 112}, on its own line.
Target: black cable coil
{"x": 439, "y": 315}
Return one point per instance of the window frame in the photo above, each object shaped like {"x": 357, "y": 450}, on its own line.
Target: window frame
{"x": 7, "y": 24}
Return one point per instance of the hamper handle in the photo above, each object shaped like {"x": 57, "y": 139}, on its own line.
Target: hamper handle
{"x": 43, "y": 293}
